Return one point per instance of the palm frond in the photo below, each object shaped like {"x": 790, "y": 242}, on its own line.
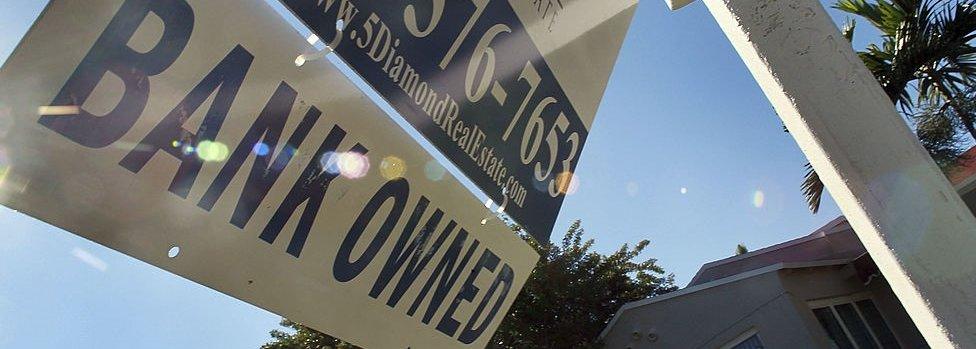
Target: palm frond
{"x": 848, "y": 30}
{"x": 924, "y": 58}
{"x": 813, "y": 189}
{"x": 881, "y": 14}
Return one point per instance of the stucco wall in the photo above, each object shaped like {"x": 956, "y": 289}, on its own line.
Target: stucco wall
{"x": 711, "y": 317}
{"x": 774, "y": 303}
{"x": 831, "y": 282}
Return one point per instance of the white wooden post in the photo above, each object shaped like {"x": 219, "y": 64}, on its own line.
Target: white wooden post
{"x": 914, "y": 225}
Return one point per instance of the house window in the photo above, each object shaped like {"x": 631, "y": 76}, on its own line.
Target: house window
{"x": 854, "y": 323}
{"x": 752, "y": 342}
{"x": 747, "y": 340}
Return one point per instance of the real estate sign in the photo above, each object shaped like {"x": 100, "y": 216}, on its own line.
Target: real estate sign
{"x": 181, "y": 133}
{"x": 507, "y": 90}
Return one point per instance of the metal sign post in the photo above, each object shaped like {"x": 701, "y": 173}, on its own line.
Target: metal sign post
{"x": 905, "y": 212}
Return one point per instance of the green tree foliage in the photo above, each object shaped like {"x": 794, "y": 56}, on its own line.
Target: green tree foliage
{"x": 925, "y": 47}
{"x": 924, "y": 60}
{"x": 940, "y": 132}
{"x": 301, "y": 337}
{"x": 572, "y": 294}
{"x": 575, "y": 291}
{"x": 741, "y": 249}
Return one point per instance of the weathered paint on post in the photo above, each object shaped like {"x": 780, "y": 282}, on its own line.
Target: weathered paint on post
{"x": 906, "y": 213}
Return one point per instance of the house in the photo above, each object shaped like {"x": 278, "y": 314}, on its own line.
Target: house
{"x": 818, "y": 291}
{"x": 803, "y": 293}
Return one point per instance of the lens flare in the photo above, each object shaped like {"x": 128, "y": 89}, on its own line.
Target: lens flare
{"x": 684, "y": 190}
{"x": 896, "y": 189}
{"x": 9, "y": 182}
{"x": 212, "y": 151}
{"x": 329, "y": 162}
{"x": 434, "y": 171}
{"x": 353, "y": 165}
{"x": 392, "y": 167}
{"x": 58, "y": 110}
{"x": 4, "y": 167}
{"x": 6, "y": 121}
{"x": 567, "y": 183}
{"x": 632, "y": 189}
{"x": 261, "y": 149}
{"x": 758, "y": 199}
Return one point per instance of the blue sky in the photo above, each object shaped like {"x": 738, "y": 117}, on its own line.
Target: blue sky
{"x": 681, "y": 111}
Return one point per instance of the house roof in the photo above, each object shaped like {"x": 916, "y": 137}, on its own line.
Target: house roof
{"x": 831, "y": 245}
{"x": 966, "y": 169}
{"x": 833, "y": 241}
{"x": 715, "y": 283}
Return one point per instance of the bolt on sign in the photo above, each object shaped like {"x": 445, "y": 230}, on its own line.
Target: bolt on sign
{"x": 170, "y": 132}
{"x": 506, "y": 89}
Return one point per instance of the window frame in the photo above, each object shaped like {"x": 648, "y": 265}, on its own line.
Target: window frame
{"x": 742, "y": 338}
{"x": 852, "y": 299}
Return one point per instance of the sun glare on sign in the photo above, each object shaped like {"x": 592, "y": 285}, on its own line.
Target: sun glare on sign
{"x": 434, "y": 171}
{"x": 567, "y": 183}
{"x": 4, "y": 167}
{"x": 261, "y": 149}
{"x": 212, "y": 151}
{"x": 353, "y": 165}
{"x": 58, "y": 110}
{"x": 392, "y": 167}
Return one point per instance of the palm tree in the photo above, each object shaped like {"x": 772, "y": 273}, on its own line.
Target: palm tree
{"x": 924, "y": 58}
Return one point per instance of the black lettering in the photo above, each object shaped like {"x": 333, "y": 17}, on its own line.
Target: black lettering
{"x": 111, "y": 54}
{"x": 262, "y": 140}
{"x": 470, "y": 332}
{"x": 417, "y": 251}
{"x": 344, "y": 268}
{"x": 310, "y": 189}
{"x": 448, "y": 325}
{"x": 445, "y": 275}
{"x": 226, "y": 79}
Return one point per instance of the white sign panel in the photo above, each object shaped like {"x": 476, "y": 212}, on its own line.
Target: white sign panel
{"x": 148, "y": 126}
